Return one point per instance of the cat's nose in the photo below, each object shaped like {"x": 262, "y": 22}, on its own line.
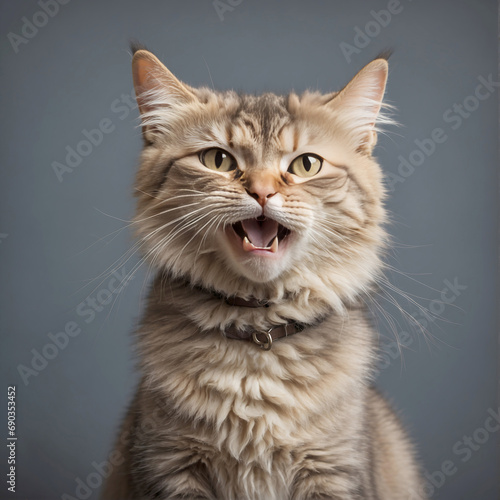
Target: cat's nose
{"x": 261, "y": 188}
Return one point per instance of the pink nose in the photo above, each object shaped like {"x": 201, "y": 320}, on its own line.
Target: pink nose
{"x": 261, "y": 188}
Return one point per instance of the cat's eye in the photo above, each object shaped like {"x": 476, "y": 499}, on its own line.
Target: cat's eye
{"x": 306, "y": 165}
{"x": 218, "y": 159}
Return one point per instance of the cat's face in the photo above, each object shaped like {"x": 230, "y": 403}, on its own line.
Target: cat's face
{"x": 260, "y": 189}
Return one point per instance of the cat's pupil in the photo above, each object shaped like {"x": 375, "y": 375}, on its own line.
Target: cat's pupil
{"x": 219, "y": 158}
{"x": 307, "y": 163}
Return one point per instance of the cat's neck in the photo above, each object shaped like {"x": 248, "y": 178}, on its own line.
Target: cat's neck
{"x": 243, "y": 308}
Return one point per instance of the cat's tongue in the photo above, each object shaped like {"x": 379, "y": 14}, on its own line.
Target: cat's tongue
{"x": 260, "y": 233}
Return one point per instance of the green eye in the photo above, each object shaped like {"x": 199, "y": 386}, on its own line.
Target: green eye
{"x": 217, "y": 159}
{"x": 306, "y": 165}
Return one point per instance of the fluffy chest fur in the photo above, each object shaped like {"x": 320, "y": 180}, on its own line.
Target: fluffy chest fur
{"x": 253, "y": 420}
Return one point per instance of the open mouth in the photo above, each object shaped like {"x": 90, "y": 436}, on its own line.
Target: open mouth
{"x": 261, "y": 233}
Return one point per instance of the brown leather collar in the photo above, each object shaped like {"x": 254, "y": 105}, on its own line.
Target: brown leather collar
{"x": 239, "y": 301}
{"x": 264, "y": 339}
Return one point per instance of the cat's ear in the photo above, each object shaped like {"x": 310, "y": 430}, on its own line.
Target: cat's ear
{"x": 360, "y": 102}
{"x": 157, "y": 90}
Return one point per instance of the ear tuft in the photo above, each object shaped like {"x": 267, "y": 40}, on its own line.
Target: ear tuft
{"x": 135, "y": 46}
{"x": 385, "y": 54}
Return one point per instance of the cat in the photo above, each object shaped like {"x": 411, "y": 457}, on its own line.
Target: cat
{"x": 263, "y": 216}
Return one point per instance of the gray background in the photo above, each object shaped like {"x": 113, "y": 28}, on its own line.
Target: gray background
{"x": 56, "y": 238}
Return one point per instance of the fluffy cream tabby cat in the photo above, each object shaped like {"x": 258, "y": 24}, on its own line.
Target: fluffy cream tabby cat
{"x": 262, "y": 216}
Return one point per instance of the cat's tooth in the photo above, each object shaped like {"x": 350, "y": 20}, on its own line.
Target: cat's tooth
{"x": 274, "y": 246}
{"x": 247, "y": 245}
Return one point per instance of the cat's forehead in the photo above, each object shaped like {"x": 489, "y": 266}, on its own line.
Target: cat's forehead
{"x": 256, "y": 124}
{"x": 266, "y": 112}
